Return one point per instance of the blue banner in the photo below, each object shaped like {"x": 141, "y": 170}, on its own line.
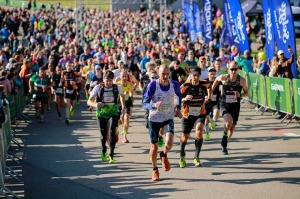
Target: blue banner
{"x": 235, "y": 25}
{"x": 284, "y": 29}
{"x": 190, "y": 20}
{"x": 207, "y": 26}
{"x": 197, "y": 16}
{"x": 269, "y": 28}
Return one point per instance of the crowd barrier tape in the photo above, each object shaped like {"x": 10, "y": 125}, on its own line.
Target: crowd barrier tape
{"x": 296, "y": 91}
{"x": 256, "y": 89}
{"x": 279, "y": 94}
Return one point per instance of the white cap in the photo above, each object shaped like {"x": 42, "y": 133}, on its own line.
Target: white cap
{"x": 280, "y": 52}
{"x": 209, "y": 69}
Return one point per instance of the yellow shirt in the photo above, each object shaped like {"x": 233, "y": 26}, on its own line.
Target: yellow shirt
{"x": 126, "y": 89}
{"x": 85, "y": 71}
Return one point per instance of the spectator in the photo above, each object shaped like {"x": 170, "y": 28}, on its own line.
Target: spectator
{"x": 285, "y": 64}
{"x": 246, "y": 62}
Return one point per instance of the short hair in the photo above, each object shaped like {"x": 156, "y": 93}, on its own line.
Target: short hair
{"x": 109, "y": 74}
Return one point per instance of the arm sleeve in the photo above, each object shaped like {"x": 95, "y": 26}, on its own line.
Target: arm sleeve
{"x": 147, "y": 104}
{"x": 95, "y": 90}
{"x": 178, "y": 94}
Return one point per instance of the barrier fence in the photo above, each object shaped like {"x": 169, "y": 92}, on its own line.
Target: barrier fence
{"x": 13, "y": 110}
{"x": 275, "y": 93}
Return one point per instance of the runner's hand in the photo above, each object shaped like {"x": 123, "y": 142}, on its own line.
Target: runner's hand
{"x": 178, "y": 114}
{"x": 237, "y": 94}
{"x": 188, "y": 97}
{"x": 158, "y": 104}
{"x": 123, "y": 110}
{"x": 99, "y": 104}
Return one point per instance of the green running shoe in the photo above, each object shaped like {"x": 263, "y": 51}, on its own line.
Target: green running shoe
{"x": 213, "y": 125}
{"x": 197, "y": 162}
{"x": 111, "y": 160}
{"x": 182, "y": 162}
{"x": 104, "y": 157}
{"x": 207, "y": 137}
{"x": 71, "y": 111}
{"x": 161, "y": 141}
{"x": 124, "y": 133}
{"x": 67, "y": 121}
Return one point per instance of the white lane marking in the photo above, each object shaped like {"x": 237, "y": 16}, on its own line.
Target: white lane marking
{"x": 292, "y": 135}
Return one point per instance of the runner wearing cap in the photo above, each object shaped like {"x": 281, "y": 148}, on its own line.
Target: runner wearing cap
{"x": 194, "y": 92}
{"x": 233, "y": 84}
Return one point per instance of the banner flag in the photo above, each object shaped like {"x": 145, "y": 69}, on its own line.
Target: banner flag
{"x": 284, "y": 29}
{"x": 190, "y": 20}
{"x": 207, "y": 26}
{"x": 197, "y": 15}
{"x": 269, "y": 28}
{"x": 235, "y": 25}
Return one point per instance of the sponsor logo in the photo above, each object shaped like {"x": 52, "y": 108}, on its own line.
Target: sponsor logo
{"x": 284, "y": 21}
{"x": 240, "y": 27}
{"x": 269, "y": 26}
{"x": 277, "y": 87}
{"x": 207, "y": 14}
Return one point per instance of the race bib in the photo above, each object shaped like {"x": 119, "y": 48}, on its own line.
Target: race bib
{"x": 230, "y": 98}
{"x": 69, "y": 91}
{"x": 59, "y": 90}
{"x": 214, "y": 98}
{"x": 108, "y": 99}
{"x": 165, "y": 108}
{"x": 195, "y": 111}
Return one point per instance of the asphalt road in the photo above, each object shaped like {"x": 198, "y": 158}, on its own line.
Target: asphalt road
{"x": 60, "y": 161}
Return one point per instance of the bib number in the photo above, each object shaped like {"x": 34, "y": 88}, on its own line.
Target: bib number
{"x": 194, "y": 111}
{"x": 69, "y": 91}
{"x": 165, "y": 109}
{"x": 59, "y": 91}
{"x": 108, "y": 99}
{"x": 230, "y": 98}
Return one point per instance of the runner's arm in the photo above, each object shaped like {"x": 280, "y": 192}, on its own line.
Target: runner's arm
{"x": 147, "y": 104}
{"x": 245, "y": 88}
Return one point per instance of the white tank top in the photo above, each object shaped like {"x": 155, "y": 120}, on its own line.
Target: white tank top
{"x": 166, "y": 111}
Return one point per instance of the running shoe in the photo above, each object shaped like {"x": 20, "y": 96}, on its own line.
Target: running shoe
{"x": 213, "y": 125}
{"x": 124, "y": 132}
{"x": 71, "y": 111}
{"x": 197, "y": 162}
{"x": 77, "y": 102}
{"x": 155, "y": 175}
{"x": 67, "y": 121}
{"x": 104, "y": 157}
{"x": 225, "y": 151}
{"x": 90, "y": 109}
{"x": 165, "y": 162}
{"x": 125, "y": 140}
{"x": 111, "y": 160}
{"x": 207, "y": 137}
{"x": 37, "y": 114}
{"x": 41, "y": 120}
{"x": 161, "y": 141}
{"x": 48, "y": 109}
{"x": 182, "y": 162}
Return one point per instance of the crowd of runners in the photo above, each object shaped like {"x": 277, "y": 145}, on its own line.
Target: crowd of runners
{"x": 123, "y": 55}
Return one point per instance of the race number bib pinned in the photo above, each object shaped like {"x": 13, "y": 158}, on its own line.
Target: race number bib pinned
{"x": 230, "y": 97}
{"x": 59, "y": 91}
{"x": 165, "y": 108}
{"x": 194, "y": 111}
{"x": 108, "y": 99}
{"x": 69, "y": 91}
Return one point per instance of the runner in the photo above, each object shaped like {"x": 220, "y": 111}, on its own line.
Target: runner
{"x": 38, "y": 85}
{"x": 146, "y": 78}
{"x": 104, "y": 98}
{"x": 69, "y": 79}
{"x": 159, "y": 99}
{"x": 58, "y": 89}
{"x": 213, "y": 107}
{"x": 128, "y": 94}
{"x": 231, "y": 95}
{"x": 193, "y": 93}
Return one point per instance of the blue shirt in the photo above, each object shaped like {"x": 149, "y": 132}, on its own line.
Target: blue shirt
{"x": 264, "y": 68}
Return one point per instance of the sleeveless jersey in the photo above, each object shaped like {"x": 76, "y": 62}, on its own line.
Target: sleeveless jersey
{"x": 166, "y": 111}
{"x": 228, "y": 89}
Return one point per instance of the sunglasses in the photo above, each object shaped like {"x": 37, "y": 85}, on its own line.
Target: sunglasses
{"x": 233, "y": 69}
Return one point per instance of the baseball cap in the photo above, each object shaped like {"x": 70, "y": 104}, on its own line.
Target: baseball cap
{"x": 97, "y": 67}
{"x": 211, "y": 69}
{"x": 280, "y": 52}
{"x": 196, "y": 71}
